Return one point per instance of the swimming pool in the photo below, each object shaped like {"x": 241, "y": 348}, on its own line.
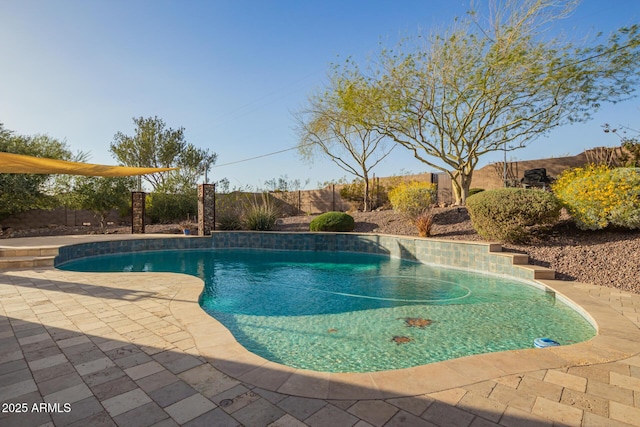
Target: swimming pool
{"x": 353, "y": 312}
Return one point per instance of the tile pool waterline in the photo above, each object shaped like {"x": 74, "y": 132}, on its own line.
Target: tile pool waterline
{"x": 259, "y": 241}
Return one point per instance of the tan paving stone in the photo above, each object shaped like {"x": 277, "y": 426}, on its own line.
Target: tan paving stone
{"x": 573, "y": 382}
{"x": 375, "y": 412}
{"x": 125, "y": 402}
{"x": 482, "y": 406}
{"x": 481, "y": 422}
{"x": 146, "y": 369}
{"x": 59, "y": 383}
{"x": 537, "y": 387}
{"x": 146, "y": 414}
{"x": 287, "y": 421}
{"x": 624, "y": 413}
{"x": 172, "y": 393}
{"x": 34, "y": 338}
{"x": 594, "y": 420}
{"x": 189, "y": 408}
{"x": 586, "y": 402}
{"x": 216, "y": 417}
{"x": 258, "y": 413}
{"x": 451, "y": 396}
{"x": 415, "y": 405}
{"x": 69, "y": 395}
{"x": 47, "y": 362}
{"x": 342, "y": 404}
{"x": 405, "y": 419}
{"x": 610, "y": 392}
{"x": 208, "y": 380}
{"x": 624, "y": 381}
{"x": 16, "y": 390}
{"x": 514, "y": 417}
{"x": 512, "y": 381}
{"x": 69, "y": 342}
{"x": 330, "y": 416}
{"x": 483, "y": 388}
{"x": 113, "y": 388}
{"x": 302, "y": 407}
{"x": 512, "y": 397}
{"x": 94, "y": 366}
{"x": 238, "y": 402}
{"x": 591, "y": 373}
{"x": 557, "y": 412}
{"x": 443, "y": 414}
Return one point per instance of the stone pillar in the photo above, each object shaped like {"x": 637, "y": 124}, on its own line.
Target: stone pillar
{"x": 206, "y": 209}
{"x": 137, "y": 211}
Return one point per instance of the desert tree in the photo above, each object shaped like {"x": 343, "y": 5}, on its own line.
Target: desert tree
{"x": 21, "y": 192}
{"x": 102, "y": 194}
{"x": 154, "y": 145}
{"x": 495, "y": 80}
{"x": 335, "y": 123}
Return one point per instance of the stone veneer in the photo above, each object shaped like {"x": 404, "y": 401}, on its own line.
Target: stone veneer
{"x": 477, "y": 256}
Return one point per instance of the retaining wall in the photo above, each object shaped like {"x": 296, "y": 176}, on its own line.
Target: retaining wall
{"x": 477, "y": 256}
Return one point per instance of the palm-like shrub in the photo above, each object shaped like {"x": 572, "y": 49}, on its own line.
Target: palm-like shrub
{"x": 261, "y": 215}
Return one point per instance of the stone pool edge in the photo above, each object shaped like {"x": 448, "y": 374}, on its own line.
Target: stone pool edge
{"x": 617, "y": 338}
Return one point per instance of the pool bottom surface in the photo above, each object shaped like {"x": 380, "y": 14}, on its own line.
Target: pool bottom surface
{"x": 345, "y": 312}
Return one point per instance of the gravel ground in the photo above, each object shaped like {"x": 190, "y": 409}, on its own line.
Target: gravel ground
{"x": 607, "y": 257}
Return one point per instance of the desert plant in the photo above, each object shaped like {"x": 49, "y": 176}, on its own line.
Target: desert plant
{"x": 597, "y": 196}
{"x": 188, "y": 225}
{"x": 332, "y": 221}
{"x": 165, "y": 208}
{"x": 230, "y": 219}
{"x": 424, "y": 222}
{"x": 507, "y": 214}
{"x": 260, "y": 215}
{"x": 411, "y": 198}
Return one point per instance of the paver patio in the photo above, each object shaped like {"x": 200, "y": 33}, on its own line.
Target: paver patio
{"x": 134, "y": 349}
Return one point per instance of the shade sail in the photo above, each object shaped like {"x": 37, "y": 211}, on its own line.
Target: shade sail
{"x": 18, "y": 163}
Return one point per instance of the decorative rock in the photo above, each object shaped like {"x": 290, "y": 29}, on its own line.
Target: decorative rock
{"x": 401, "y": 340}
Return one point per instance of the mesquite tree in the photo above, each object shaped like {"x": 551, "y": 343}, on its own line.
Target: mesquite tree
{"x": 336, "y": 124}
{"x": 495, "y": 84}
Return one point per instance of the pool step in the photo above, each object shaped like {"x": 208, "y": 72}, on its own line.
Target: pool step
{"x": 27, "y": 257}
{"x": 539, "y": 272}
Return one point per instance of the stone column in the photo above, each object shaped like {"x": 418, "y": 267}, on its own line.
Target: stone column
{"x": 206, "y": 209}
{"x": 137, "y": 211}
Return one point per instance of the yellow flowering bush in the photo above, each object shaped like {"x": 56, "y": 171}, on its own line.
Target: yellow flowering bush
{"x": 597, "y": 196}
{"x": 412, "y": 198}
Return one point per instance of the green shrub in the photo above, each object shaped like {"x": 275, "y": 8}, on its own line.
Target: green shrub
{"x": 412, "y": 198}
{"x": 261, "y": 216}
{"x": 333, "y": 221}
{"x": 167, "y": 208}
{"x": 473, "y": 191}
{"x": 597, "y": 196}
{"x": 507, "y": 213}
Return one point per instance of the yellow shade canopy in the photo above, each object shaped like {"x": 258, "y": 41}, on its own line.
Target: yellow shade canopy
{"x": 18, "y": 163}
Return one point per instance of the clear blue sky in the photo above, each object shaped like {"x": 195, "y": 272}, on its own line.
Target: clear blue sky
{"x": 230, "y": 72}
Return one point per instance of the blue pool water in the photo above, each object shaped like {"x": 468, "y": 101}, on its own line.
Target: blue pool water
{"x": 348, "y": 312}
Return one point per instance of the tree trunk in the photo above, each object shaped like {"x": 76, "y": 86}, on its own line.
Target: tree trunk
{"x": 461, "y": 187}
{"x": 366, "y": 205}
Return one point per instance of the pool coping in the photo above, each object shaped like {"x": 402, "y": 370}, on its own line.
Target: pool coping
{"x": 617, "y": 338}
